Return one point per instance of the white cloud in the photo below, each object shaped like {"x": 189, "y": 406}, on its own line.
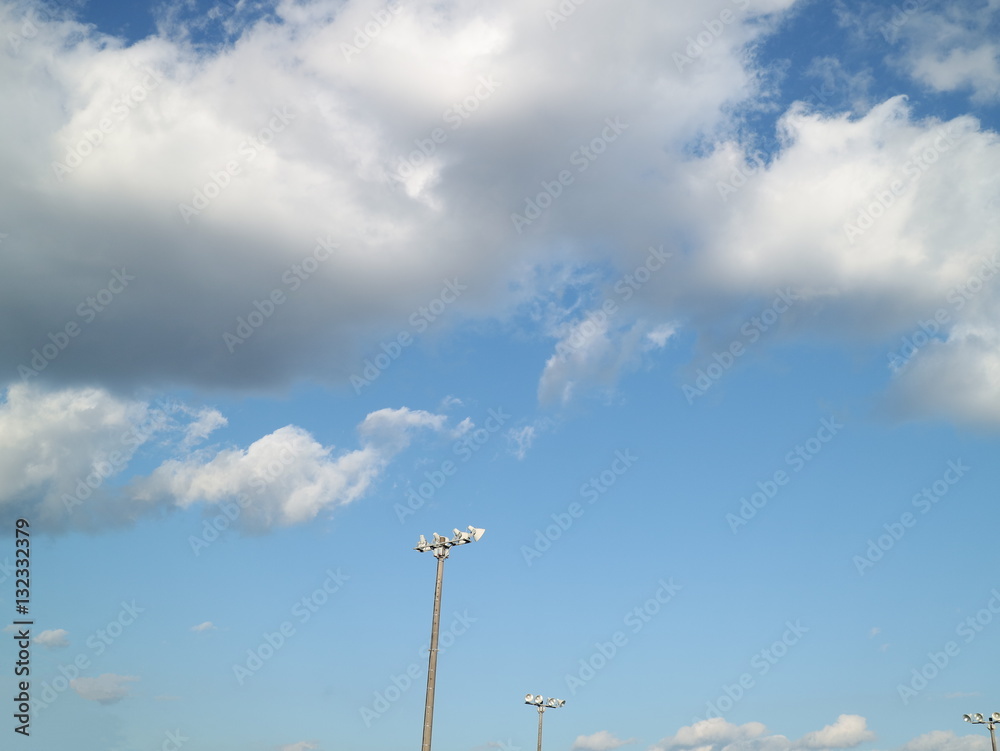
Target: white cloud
{"x": 286, "y": 477}
{"x": 62, "y": 452}
{"x": 941, "y": 740}
{"x": 59, "y": 449}
{"x": 206, "y": 626}
{"x": 717, "y": 734}
{"x": 660, "y": 335}
{"x": 602, "y": 740}
{"x": 950, "y": 48}
{"x": 520, "y": 440}
{"x": 345, "y": 125}
{"x": 955, "y": 378}
{"x": 106, "y": 688}
{"x": 300, "y": 746}
{"x": 861, "y": 219}
{"x": 593, "y": 352}
{"x": 848, "y": 731}
{"x": 205, "y": 421}
{"x": 53, "y": 638}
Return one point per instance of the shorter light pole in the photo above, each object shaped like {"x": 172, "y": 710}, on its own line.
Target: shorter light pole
{"x": 978, "y": 719}
{"x": 537, "y": 700}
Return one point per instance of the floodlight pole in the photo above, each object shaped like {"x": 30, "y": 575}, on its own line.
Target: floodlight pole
{"x": 978, "y": 719}
{"x": 432, "y": 659}
{"x": 541, "y": 711}
{"x": 439, "y": 547}
{"x": 540, "y": 703}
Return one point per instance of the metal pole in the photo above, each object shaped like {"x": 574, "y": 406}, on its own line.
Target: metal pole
{"x": 540, "y": 711}
{"x": 433, "y": 655}
{"x": 993, "y": 737}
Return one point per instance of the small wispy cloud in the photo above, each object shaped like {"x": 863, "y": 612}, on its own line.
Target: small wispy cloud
{"x": 53, "y": 638}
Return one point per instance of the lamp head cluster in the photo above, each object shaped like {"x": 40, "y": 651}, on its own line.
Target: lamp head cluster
{"x": 542, "y": 703}
{"x": 439, "y": 544}
{"x": 978, "y": 719}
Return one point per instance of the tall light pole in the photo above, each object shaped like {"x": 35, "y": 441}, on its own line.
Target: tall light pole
{"x": 439, "y": 546}
{"x": 537, "y": 700}
{"x": 978, "y": 719}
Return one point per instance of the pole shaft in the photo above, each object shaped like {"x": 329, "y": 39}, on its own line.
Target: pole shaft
{"x": 541, "y": 711}
{"x": 432, "y": 659}
{"x": 993, "y": 737}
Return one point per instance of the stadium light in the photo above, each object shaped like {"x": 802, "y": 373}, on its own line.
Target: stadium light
{"x": 539, "y": 701}
{"x": 439, "y": 545}
{"x": 978, "y": 719}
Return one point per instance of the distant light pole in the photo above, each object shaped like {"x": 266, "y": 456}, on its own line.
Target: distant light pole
{"x": 543, "y": 704}
{"x": 439, "y": 546}
{"x": 978, "y": 719}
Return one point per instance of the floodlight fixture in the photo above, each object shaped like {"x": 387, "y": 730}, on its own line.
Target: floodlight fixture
{"x": 978, "y": 719}
{"x": 440, "y": 544}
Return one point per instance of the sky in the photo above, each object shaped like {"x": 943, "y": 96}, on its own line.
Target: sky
{"x": 693, "y": 307}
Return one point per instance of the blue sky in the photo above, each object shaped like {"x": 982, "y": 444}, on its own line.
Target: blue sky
{"x": 692, "y": 307}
